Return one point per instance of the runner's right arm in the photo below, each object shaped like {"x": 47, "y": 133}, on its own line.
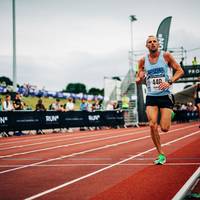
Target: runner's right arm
{"x": 141, "y": 73}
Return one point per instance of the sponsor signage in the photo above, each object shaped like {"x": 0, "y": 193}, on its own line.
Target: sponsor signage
{"x": 191, "y": 73}
{"x": 34, "y": 120}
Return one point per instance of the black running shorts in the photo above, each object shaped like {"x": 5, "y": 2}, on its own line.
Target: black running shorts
{"x": 166, "y": 101}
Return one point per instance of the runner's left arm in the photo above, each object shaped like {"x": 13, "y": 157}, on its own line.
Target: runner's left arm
{"x": 172, "y": 63}
{"x": 178, "y": 70}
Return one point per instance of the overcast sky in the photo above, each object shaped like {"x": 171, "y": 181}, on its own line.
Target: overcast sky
{"x": 63, "y": 41}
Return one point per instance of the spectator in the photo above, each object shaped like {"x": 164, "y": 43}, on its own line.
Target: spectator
{"x": 2, "y": 134}
{"x": 115, "y": 105}
{"x": 197, "y": 95}
{"x": 40, "y": 107}
{"x": 100, "y": 105}
{"x": 125, "y": 101}
{"x": 56, "y": 105}
{"x": 89, "y": 108}
{"x": 190, "y": 106}
{"x": 7, "y": 104}
{"x": 194, "y": 61}
{"x": 181, "y": 62}
{"x": 83, "y": 105}
{"x": 1, "y": 107}
{"x": 110, "y": 106}
{"x": 197, "y": 98}
{"x": 125, "y": 107}
{"x": 183, "y": 107}
{"x": 97, "y": 105}
{"x": 69, "y": 106}
{"x": 17, "y": 103}
{"x": 93, "y": 108}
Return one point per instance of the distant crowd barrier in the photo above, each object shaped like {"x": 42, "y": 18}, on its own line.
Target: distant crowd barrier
{"x": 44, "y": 93}
{"x": 34, "y": 120}
{"x": 186, "y": 116}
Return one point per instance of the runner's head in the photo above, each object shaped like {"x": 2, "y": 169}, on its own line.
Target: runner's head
{"x": 152, "y": 44}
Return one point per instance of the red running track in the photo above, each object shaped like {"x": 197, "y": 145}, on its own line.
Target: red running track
{"x": 106, "y": 164}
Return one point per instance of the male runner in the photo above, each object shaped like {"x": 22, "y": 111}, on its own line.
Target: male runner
{"x": 156, "y": 68}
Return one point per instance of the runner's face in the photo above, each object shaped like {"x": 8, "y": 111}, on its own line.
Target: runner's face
{"x": 152, "y": 44}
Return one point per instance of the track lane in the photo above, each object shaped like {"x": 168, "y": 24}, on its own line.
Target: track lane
{"x": 106, "y": 169}
{"x": 67, "y": 141}
{"x": 23, "y": 141}
{"x": 41, "y": 175}
{"x": 157, "y": 182}
{"x": 7, "y": 153}
{"x": 50, "y": 156}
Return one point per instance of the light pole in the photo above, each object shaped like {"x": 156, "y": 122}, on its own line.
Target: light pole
{"x": 132, "y": 18}
{"x": 14, "y": 48}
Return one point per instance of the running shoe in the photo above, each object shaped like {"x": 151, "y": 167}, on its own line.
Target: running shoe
{"x": 160, "y": 160}
{"x": 172, "y": 115}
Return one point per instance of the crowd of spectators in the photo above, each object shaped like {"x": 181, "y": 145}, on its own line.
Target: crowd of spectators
{"x": 189, "y": 106}
{"x": 183, "y": 110}
{"x": 17, "y": 104}
{"x": 6, "y": 104}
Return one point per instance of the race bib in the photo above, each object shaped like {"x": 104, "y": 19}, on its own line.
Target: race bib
{"x": 155, "y": 82}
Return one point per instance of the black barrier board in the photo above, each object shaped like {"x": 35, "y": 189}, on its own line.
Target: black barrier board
{"x": 34, "y": 120}
{"x": 50, "y": 119}
{"x": 73, "y": 119}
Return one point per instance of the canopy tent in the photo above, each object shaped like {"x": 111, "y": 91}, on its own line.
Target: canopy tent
{"x": 186, "y": 95}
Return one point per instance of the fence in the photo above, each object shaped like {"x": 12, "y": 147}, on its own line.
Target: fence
{"x": 34, "y": 120}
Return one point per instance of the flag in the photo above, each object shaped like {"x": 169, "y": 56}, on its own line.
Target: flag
{"x": 163, "y": 33}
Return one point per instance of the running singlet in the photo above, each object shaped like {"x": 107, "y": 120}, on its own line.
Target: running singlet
{"x": 156, "y": 74}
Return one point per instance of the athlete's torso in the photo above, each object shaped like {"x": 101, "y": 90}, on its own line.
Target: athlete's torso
{"x": 155, "y": 74}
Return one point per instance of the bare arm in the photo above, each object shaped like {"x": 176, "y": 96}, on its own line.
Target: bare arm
{"x": 178, "y": 70}
{"x": 140, "y": 74}
{"x": 172, "y": 63}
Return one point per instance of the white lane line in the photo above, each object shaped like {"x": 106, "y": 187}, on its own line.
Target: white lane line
{"x": 72, "y": 155}
{"x": 75, "y": 154}
{"x": 72, "y": 144}
{"x": 59, "y": 140}
{"x": 84, "y": 142}
{"x": 102, "y": 164}
{"x": 184, "y": 190}
{"x": 103, "y": 169}
{"x": 62, "y": 135}
{"x": 86, "y": 159}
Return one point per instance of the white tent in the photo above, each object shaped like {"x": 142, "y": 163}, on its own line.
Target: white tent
{"x": 186, "y": 95}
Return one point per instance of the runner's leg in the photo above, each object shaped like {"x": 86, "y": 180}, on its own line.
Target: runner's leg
{"x": 152, "y": 115}
{"x": 165, "y": 121}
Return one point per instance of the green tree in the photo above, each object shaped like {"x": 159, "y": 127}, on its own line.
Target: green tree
{"x": 76, "y": 88}
{"x": 5, "y": 80}
{"x": 96, "y": 91}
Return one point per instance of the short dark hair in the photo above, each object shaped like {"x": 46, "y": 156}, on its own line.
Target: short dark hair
{"x": 151, "y": 36}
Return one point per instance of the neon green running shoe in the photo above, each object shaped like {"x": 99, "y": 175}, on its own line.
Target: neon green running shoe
{"x": 160, "y": 160}
{"x": 173, "y": 115}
